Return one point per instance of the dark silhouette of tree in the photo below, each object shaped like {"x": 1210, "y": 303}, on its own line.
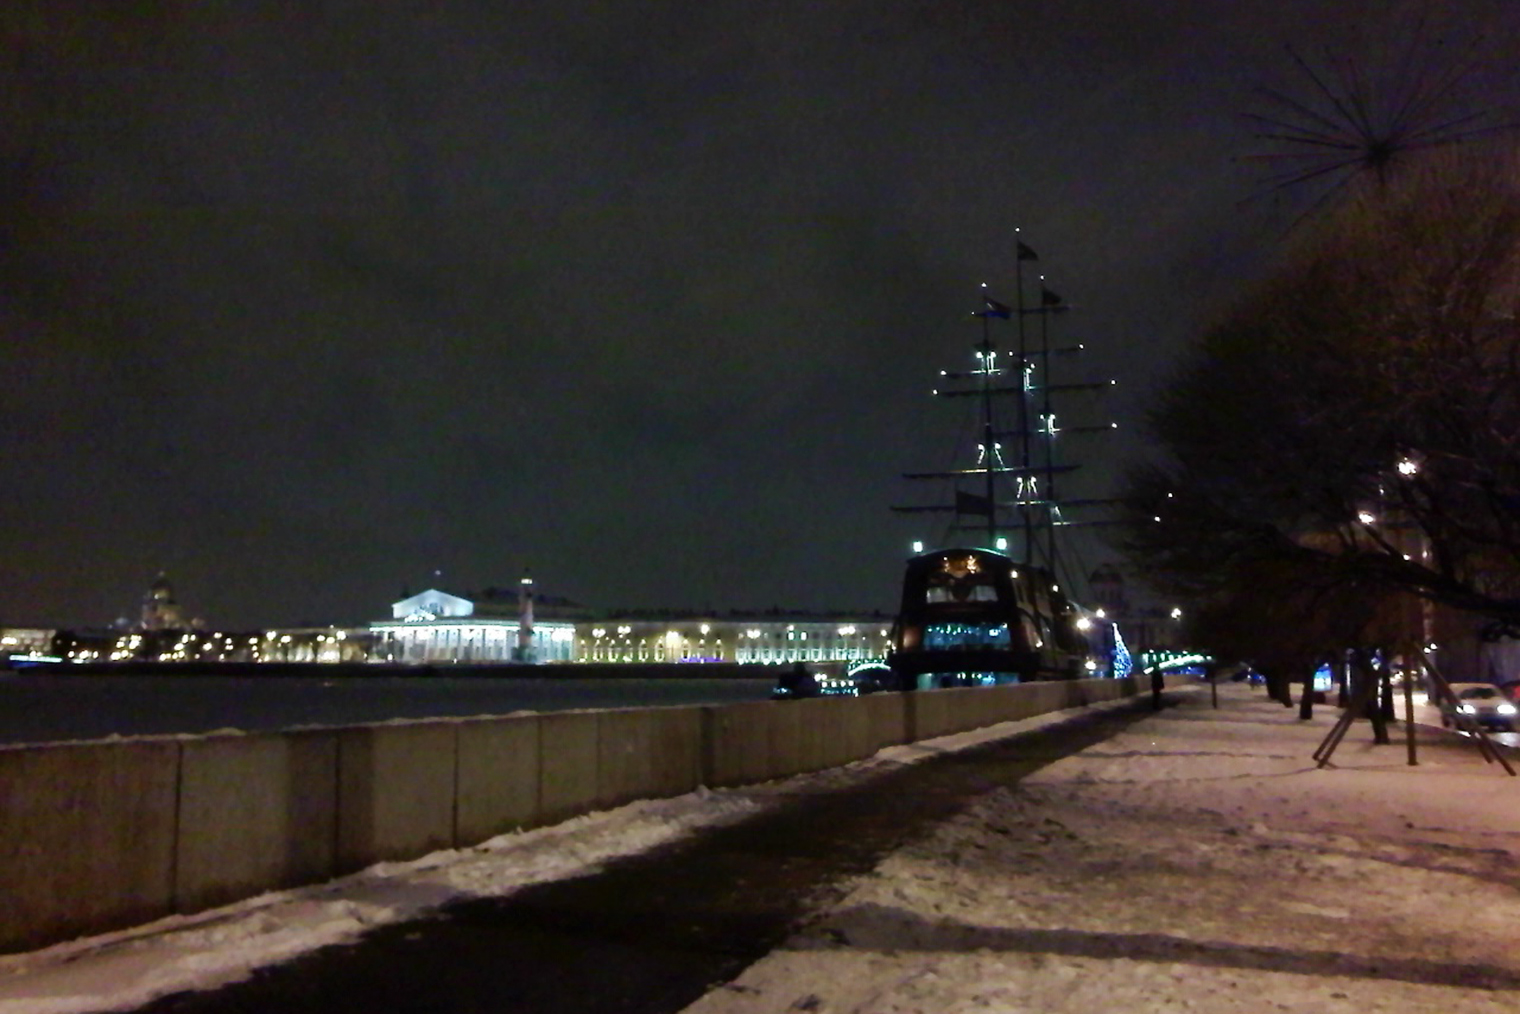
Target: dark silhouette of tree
{"x": 1356, "y": 418}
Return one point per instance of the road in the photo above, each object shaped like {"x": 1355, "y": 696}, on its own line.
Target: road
{"x": 1429, "y": 714}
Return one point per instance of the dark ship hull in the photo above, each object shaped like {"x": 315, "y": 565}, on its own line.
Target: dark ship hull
{"x": 971, "y": 617}
{"x": 979, "y": 613}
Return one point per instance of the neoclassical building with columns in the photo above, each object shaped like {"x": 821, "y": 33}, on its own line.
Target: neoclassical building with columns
{"x": 435, "y": 626}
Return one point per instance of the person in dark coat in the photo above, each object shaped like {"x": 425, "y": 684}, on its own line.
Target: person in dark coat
{"x": 1158, "y": 683}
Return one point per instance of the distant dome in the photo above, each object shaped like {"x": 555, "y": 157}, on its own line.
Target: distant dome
{"x": 1107, "y": 584}
{"x": 160, "y": 611}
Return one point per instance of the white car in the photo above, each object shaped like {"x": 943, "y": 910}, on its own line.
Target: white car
{"x": 1483, "y": 703}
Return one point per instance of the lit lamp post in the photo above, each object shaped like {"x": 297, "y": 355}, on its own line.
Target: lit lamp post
{"x": 1408, "y": 468}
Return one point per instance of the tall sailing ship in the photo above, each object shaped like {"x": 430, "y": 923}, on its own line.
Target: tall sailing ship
{"x": 989, "y": 606}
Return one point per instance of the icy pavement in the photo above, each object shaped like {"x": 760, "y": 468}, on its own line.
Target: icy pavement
{"x": 1196, "y": 862}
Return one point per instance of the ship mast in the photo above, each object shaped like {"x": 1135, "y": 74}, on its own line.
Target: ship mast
{"x": 1049, "y": 303}
{"x": 1032, "y": 473}
{"x": 988, "y": 356}
{"x": 1024, "y": 482}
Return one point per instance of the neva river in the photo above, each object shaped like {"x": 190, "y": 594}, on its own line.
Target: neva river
{"x": 45, "y": 708}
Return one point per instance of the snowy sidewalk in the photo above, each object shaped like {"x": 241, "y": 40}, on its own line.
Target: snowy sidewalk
{"x": 1196, "y": 862}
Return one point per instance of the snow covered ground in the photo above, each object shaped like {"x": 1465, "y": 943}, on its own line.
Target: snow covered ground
{"x": 1198, "y": 861}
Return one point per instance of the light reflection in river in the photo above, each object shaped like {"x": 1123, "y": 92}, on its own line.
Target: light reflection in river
{"x": 42, "y": 708}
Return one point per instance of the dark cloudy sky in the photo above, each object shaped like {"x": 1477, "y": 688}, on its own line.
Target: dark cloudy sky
{"x": 303, "y": 302}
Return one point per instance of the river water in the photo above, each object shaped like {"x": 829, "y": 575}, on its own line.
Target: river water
{"x": 48, "y": 707}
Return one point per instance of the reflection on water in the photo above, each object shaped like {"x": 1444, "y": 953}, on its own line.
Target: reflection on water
{"x": 41, "y": 708}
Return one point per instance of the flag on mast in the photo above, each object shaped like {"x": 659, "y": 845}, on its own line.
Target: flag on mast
{"x": 996, "y": 309}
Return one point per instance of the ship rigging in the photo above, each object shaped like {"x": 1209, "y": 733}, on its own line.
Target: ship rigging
{"x": 990, "y": 613}
{"x": 1008, "y": 488}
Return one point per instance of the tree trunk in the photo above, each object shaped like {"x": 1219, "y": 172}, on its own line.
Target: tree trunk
{"x": 1277, "y": 686}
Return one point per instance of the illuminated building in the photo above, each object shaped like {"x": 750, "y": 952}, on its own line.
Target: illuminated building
{"x": 437, "y": 627}
{"x": 773, "y": 638}
{"x": 25, "y": 642}
{"x": 493, "y": 626}
{"x": 434, "y": 626}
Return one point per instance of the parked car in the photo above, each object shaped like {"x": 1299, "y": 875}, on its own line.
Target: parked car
{"x": 1483, "y": 703}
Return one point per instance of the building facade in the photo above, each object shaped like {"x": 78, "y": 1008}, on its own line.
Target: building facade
{"x": 436, "y": 627}
{"x": 511, "y": 626}
{"x": 768, "y": 638}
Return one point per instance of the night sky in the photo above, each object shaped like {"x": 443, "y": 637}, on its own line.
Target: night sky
{"x": 304, "y": 304}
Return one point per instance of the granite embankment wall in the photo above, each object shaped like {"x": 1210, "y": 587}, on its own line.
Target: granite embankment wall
{"x": 110, "y": 834}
